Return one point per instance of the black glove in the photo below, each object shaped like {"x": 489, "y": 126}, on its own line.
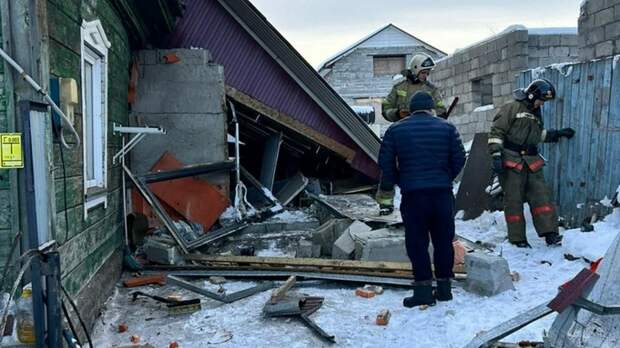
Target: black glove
{"x": 555, "y": 135}
{"x": 566, "y": 132}
{"x": 385, "y": 209}
{"x": 498, "y": 164}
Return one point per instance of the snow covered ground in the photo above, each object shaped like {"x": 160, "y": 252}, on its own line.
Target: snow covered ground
{"x": 352, "y": 319}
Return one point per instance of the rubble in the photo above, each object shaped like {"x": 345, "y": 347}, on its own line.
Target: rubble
{"x": 383, "y": 318}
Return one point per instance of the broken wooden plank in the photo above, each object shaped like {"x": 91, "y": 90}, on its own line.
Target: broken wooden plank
{"x": 488, "y": 338}
{"x": 291, "y": 123}
{"x": 311, "y": 262}
{"x": 159, "y": 279}
{"x": 279, "y": 293}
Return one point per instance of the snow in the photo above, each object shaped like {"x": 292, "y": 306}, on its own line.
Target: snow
{"x": 593, "y": 245}
{"x": 292, "y": 216}
{"x": 606, "y": 202}
{"x": 351, "y": 319}
{"x": 616, "y": 59}
{"x": 536, "y": 72}
{"x": 484, "y": 108}
{"x": 560, "y": 68}
{"x": 509, "y": 29}
{"x": 553, "y": 31}
{"x": 363, "y": 109}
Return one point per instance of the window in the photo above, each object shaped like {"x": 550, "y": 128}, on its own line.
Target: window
{"x": 94, "y": 51}
{"x": 388, "y": 65}
{"x": 482, "y": 91}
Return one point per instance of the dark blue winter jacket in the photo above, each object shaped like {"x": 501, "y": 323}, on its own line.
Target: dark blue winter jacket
{"x": 420, "y": 152}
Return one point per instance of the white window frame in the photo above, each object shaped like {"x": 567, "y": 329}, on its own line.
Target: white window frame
{"x": 94, "y": 51}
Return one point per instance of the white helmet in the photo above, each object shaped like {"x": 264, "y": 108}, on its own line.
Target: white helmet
{"x": 419, "y": 62}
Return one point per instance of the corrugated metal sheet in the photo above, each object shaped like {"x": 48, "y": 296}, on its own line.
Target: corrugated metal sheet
{"x": 584, "y": 170}
{"x": 260, "y": 63}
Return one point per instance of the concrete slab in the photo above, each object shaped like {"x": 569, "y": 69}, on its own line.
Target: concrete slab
{"x": 326, "y": 235}
{"x": 344, "y": 246}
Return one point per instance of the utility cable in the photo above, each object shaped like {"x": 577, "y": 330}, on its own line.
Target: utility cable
{"x": 73, "y": 330}
{"x": 64, "y": 182}
{"x": 75, "y": 309}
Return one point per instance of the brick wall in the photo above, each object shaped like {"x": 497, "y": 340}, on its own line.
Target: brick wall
{"x": 599, "y": 29}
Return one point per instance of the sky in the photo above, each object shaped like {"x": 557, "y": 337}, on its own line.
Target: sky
{"x": 319, "y": 29}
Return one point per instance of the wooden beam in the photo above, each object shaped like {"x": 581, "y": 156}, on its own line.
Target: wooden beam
{"x": 291, "y": 123}
{"x": 279, "y": 293}
{"x": 375, "y": 266}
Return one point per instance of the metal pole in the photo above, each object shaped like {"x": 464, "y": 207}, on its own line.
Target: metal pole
{"x": 33, "y": 236}
{"x": 54, "y": 323}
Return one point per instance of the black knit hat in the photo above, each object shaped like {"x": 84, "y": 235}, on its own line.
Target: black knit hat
{"x": 421, "y": 101}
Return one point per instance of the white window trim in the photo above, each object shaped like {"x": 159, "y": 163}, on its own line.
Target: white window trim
{"x": 94, "y": 40}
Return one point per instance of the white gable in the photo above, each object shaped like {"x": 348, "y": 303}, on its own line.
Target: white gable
{"x": 390, "y": 37}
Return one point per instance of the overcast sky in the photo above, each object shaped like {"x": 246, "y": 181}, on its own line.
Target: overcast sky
{"x": 321, "y": 28}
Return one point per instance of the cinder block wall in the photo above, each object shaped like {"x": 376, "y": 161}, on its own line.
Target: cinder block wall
{"x": 599, "y": 29}
{"x": 187, "y": 99}
{"x": 495, "y": 63}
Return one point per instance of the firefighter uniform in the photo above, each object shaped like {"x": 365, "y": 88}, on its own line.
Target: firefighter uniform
{"x": 400, "y": 96}
{"x": 396, "y": 105}
{"x": 513, "y": 143}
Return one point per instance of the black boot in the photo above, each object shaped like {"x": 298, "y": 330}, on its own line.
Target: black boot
{"x": 444, "y": 290}
{"x": 422, "y": 295}
{"x": 553, "y": 238}
{"x": 523, "y": 244}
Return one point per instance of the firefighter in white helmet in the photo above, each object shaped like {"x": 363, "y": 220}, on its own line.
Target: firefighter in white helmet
{"x": 396, "y": 105}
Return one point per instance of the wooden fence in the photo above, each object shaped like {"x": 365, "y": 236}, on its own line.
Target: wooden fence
{"x": 585, "y": 170}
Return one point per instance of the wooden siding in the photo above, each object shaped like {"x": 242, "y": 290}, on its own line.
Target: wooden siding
{"x": 87, "y": 244}
{"x": 586, "y": 169}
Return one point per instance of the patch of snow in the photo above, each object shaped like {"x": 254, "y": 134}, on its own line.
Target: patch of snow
{"x": 606, "y": 202}
{"x": 560, "y": 68}
{"x": 484, "y": 108}
{"x": 232, "y": 139}
{"x": 593, "y": 245}
{"x": 292, "y": 216}
{"x": 616, "y": 59}
{"x": 536, "y": 72}
{"x": 229, "y": 213}
{"x": 274, "y": 251}
{"x": 580, "y": 205}
{"x": 269, "y": 194}
{"x": 363, "y": 109}
{"x": 397, "y": 77}
{"x": 509, "y": 29}
{"x": 553, "y": 31}
{"x": 467, "y": 145}
{"x": 397, "y": 197}
{"x": 459, "y": 215}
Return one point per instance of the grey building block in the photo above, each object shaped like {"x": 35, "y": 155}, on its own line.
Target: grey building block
{"x": 344, "y": 247}
{"x": 604, "y": 49}
{"x": 487, "y": 275}
{"x": 160, "y": 252}
{"x": 304, "y": 249}
{"x": 385, "y": 249}
{"x": 604, "y": 16}
{"x": 612, "y": 31}
{"x": 327, "y": 234}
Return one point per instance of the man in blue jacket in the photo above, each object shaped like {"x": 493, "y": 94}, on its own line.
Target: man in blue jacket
{"x": 423, "y": 154}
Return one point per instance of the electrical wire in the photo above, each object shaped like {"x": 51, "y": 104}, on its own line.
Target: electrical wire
{"x": 73, "y": 330}
{"x": 75, "y": 309}
{"x": 64, "y": 182}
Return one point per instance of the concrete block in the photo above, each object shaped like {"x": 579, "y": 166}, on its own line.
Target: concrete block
{"x": 604, "y": 49}
{"x": 381, "y": 245}
{"x": 559, "y": 51}
{"x": 604, "y": 17}
{"x": 328, "y": 233}
{"x": 549, "y": 40}
{"x": 160, "y": 252}
{"x": 595, "y": 36}
{"x": 344, "y": 246}
{"x": 612, "y": 31}
{"x": 487, "y": 275}
{"x": 569, "y": 40}
{"x": 304, "y": 249}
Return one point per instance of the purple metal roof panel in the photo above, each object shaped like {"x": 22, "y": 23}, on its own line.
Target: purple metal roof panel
{"x": 251, "y": 70}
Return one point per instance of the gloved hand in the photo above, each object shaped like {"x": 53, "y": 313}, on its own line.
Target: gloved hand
{"x": 555, "y": 135}
{"x": 566, "y": 132}
{"x": 386, "y": 209}
{"x": 386, "y": 201}
{"x": 498, "y": 164}
{"x": 403, "y": 113}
